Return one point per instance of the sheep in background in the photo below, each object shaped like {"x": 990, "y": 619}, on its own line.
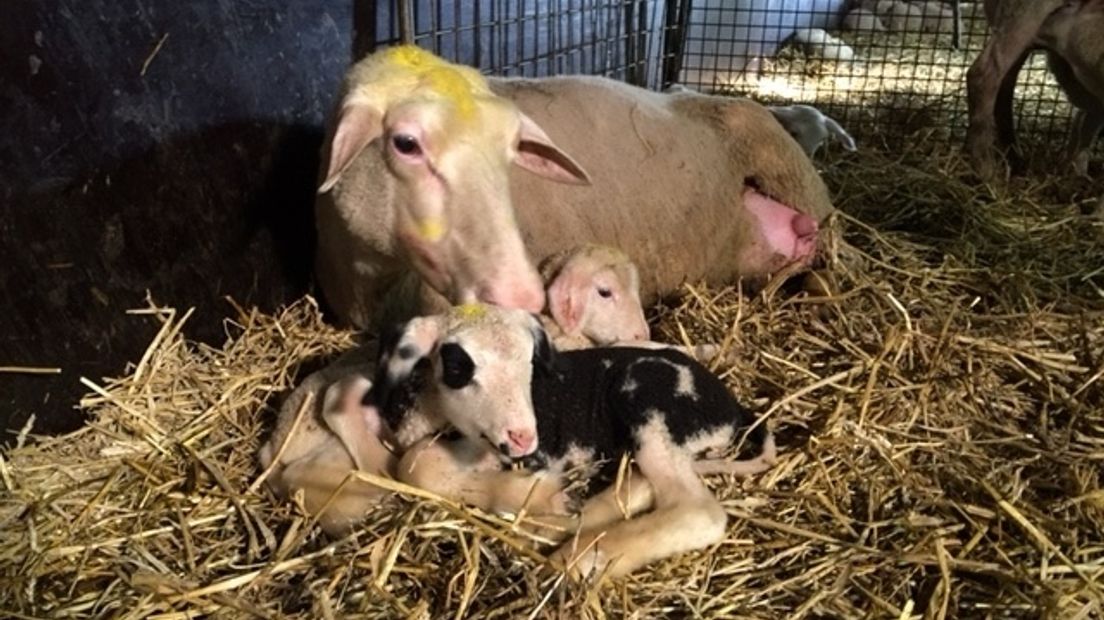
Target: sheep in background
{"x": 1073, "y": 37}
{"x": 901, "y": 16}
{"x": 1069, "y": 30}
{"x": 590, "y": 407}
{"x": 863, "y": 21}
{"x": 898, "y": 16}
{"x": 817, "y": 43}
{"x": 811, "y": 127}
{"x": 937, "y": 18}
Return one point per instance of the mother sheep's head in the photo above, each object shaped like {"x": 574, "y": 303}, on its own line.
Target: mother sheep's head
{"x": 447, "y": 143}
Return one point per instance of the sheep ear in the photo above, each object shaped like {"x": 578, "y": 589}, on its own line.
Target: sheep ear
{"x": 404, "y": 349}
{"x": 567, "y": 299}
{"x": 840, "y": 133}
{"x": 545, "y": 356}
{"x": 539, "y": 155}
{"x": 357, "y": 126}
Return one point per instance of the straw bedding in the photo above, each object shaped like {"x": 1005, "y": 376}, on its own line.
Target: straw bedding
{"x": 938, "y": 398}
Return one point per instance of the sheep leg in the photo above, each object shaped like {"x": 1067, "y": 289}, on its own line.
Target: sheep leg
{"x": 319, "y": 475}
{"x": 330, "y": 457}
{"x": 993, "y": 73}
{"x": 686, "y": 517}
{"x": 617, "y": 502}
{"x": 745, "y": 467}
{"x": 634, "y": 494}
{"x": 1086, "y": 125}
{"x": 470, "y": 472}
{"x": 1004, "y": 114}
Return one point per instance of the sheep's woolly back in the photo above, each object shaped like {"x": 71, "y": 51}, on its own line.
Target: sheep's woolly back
{"x": 407, "y": 71}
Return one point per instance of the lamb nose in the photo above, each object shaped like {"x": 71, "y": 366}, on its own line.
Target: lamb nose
{"x": 521, "y": 441}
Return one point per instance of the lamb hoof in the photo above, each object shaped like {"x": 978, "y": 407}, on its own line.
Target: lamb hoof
{"x": 581, "y": 558}
{"x": 706, "y": 352}
{"x": 562, "y": 504}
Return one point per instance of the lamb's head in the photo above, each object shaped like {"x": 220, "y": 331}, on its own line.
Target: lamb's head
{"x": 447, "y": 143}
{"x": 594, "y": 291}
{"x": 476, "y": 364}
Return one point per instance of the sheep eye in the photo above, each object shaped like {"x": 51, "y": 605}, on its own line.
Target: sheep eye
{"x": 458, "y": 368}
{"x": 604, "y": 292}
{"x": 406, "y": 144}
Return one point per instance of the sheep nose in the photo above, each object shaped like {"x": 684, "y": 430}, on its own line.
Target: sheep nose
{"x": 519, "y": 443}
{"x": 804, "y": 226}
{"x": 524, "y": 292}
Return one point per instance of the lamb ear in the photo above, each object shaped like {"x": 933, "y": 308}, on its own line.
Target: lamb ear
{"x": 357, "y": 126}
{"x": 346, "y": 415}
{"x": 840, "y": 133}
{"x": 567, "y": 298}
{"x": 544, "y": 354}
{"x": 401, "y": 349}
{"x": 539, "y": 155}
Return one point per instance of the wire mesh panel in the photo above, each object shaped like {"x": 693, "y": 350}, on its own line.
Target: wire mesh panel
{"x": 882, "y": 68}
{"x": 621, "y": 39}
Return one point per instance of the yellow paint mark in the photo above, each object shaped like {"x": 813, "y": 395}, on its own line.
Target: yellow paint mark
{"x": 431, "y": 229}
{"x": 472, "y": 311}
{"x": 411, "y": 56}
{"x": 455, "y": 83}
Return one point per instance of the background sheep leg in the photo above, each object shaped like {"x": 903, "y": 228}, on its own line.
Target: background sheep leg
{"x": 1004, "y": 113}
{"x": 1014, "y": 25}
{"x": 1083, "y": 131}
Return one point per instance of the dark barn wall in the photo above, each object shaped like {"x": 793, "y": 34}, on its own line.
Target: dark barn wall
{"x": 188, "y": 173}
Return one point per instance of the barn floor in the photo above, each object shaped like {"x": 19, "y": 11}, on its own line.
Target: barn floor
{"x": 940, "y": 412}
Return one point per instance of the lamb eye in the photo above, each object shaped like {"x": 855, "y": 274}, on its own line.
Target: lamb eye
{"x": 605, "y": 293}
{"x": 406, "y": 144}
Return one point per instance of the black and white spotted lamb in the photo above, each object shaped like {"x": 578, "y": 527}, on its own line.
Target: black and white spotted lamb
{"x": 606, "y": 402}
{"x": 589, "y": 406}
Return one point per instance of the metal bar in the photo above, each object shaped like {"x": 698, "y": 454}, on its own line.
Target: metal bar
{"x": 477, "y": 32}
{"x": 406, "y": 22}
{"x": 364, "y": 28}
{"x": 435, "y": 26}
{"x": 520, "y": 33}
{"x": 674, "y": 26}
{"x": 640, "y": 71}
{"x": 956, "y": 10}
{"x": 628, "y": 11}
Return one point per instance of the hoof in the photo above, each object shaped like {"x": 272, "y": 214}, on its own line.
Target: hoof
{"x": 582, "y": 558}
